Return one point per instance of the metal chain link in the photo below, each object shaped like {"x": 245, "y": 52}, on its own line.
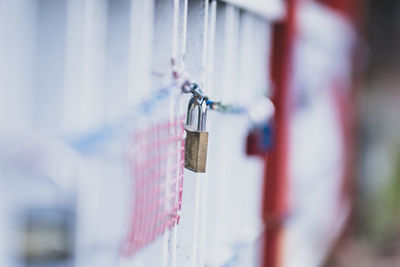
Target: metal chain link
{"x": 194, "y": 89}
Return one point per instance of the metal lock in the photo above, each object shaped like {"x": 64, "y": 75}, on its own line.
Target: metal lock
{"x": 259, "y": 140}
{"x": 196, "y": 136}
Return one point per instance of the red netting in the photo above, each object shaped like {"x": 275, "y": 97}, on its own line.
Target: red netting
{"x": 157, "y": 168}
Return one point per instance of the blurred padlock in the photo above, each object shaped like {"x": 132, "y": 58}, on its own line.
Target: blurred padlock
{"x": 259, "y": 140}
{"x": 196, "y": 136}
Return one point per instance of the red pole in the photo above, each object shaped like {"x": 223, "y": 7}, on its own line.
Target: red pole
{"x": 275, "y": 202}
{"x": 276, "y": 195}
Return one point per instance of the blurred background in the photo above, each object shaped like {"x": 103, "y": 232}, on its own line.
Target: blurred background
{"x": 303, "y": 165}
{"x": 373, "y": 234}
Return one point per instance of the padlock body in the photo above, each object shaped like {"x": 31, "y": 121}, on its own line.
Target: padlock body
{"x": 196, "y": 150}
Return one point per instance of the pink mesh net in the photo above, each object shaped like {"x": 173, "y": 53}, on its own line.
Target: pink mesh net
{"x": 157, "y": 168}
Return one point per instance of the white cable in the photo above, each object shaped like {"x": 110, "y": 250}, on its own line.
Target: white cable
{"x": 205, "y": 43}
{"x": 175, "y": 31}
{"x": 184, "y": 32}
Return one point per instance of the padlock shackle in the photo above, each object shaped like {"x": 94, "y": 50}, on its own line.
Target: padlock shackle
{"x": 202, "y": 117}
{"x": 201, "y": 104}
{"x": 189, "y": 116}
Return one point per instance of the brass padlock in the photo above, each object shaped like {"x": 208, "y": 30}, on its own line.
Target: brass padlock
{"x": 196, "y": 136}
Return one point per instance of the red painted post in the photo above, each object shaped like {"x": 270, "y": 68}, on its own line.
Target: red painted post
{"x": 275, "y": 202}
{"x": 275, "y": 205}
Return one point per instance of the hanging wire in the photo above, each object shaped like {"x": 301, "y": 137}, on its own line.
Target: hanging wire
{"x": 260, "y": 112}
{"x": 147, "y": 106}
{"x": 226, "y": 108}
{"x": 194, "y": 89}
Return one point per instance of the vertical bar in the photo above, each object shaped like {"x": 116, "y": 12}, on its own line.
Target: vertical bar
{"x": 18, "y": 20}
{"x": 203, "y": 190}
{"x": 211, "y": 44}
{"x": 116, "y": 61}
{"x": 208, "y": 54}
{"x": 276, "y": 176}
{"x": 175, "y": 33}
{"x": 49, "y": 64}
{"x": 195, "y": 63}
{"x": 140, "y": 52}
{"x": 252, "y": 85}
{"x": 140, "y": 65}
{"x": 87, "y": 22}
{"x": 73, "y": 70}
{"x": 174, "y": 113}
{"x": 184, "y": 4}
{"x": 219, "y": 157}
{"x": 179, "y": 48}
{"x": 164, "y": 50}
{"x": 163, "y": 40}
{"x": 85, "y": 65}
